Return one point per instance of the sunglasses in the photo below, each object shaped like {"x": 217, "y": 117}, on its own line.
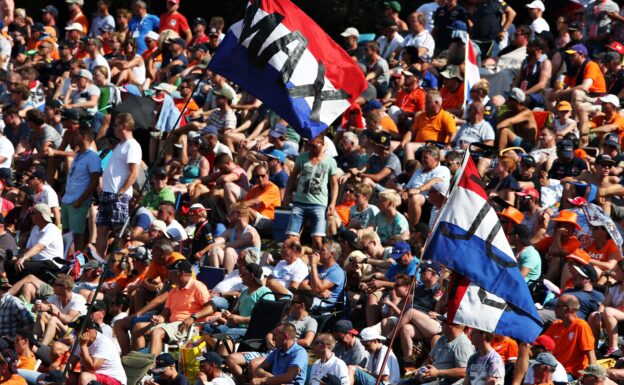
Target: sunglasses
{"x": 260, "y": 175}
{"x": 350, "y": 190}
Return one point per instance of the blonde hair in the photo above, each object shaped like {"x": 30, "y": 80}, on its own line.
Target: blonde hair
{"x": 391, "y": 196}
{"x": 369, "y": 236}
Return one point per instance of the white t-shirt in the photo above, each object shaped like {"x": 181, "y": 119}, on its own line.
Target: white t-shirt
{"x": 52, "y": 240}
{"x": 285, "y": 273}
{"x": 99, "y": 61}
{"x": 47, "y": 196}
{"x": 419, "y": 177}
{"x": 7, "y": 150}
{"x": 334, "y": 366}
{"x": 117, "y": 170}
{"x": 423, "y": 39}
{"x": 387, "y": 47}
{"x": 392, "y": 366}
{"x": 330, "y": 148}
{"x": 428, "y": 10}
{"x": 82, "y": 96}
{"x": 103, "y": 347}
{"x": 539, "y": 25}
{"x": 176, "y": 231}
{"x": 76, "y": 302}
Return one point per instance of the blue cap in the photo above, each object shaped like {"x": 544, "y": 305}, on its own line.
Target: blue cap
{"x": 431, "y": 265}
{"x": 277, "y": 154}
{"x": 278, "y": 130}
{"x": 578, "y": 48}
{"x": 458, "y": 25}
{"x": 163, "y": 361}
{"x": 210, "y": 129}
{"x": 545, "y": 359}
{"x": 372, "y": 105}
{"x": 211, "y": 357}
{"x": 399, "y": 249}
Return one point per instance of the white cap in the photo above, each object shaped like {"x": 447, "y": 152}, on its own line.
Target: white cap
{"x": 84, "y": 73}
{"x": 371, "y": 333}
{"x": 350, "y": 32}
{"x": 537, "y": 4}
{"x": 74, "y": 27}
{"x": 152, "y": 35}
{"x": 610, "y": 99}
{"x": 160, "y": 226}
{"x": 168, "y": 88}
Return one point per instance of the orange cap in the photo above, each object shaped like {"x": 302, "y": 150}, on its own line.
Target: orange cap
{"x": 512, "y": 214}
{"x": 580, "y": 256}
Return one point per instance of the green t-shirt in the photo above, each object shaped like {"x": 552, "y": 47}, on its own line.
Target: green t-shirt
{"x": 312, "y": 186}
{"x": 152, "y": 200}
{"x": 247, "y": 301}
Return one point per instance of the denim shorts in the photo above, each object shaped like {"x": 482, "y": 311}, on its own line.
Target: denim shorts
{"x": 300, "y": 212}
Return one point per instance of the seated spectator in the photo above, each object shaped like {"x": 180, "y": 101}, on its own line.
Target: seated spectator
{"x": 486, "y": 364}
{"x": 326, "y": 278}
{"x": 290, "y": 271}
{"x": 517, "y": 126}
{"x": 263, "y": 197}
{"x": 362, "y": 212}
{"x": 327, "y": 364}
{"x": 609, "y": 313}
{"x": 210, "y": 364}
{"x": 348, "y": 346}
{"x": 286, "y": 364}
{"x": 503, "y": 183}
{"x": 452, "y": 90}
{"x": 475, "y": 130}
{"x": 165, "y": 369}
{"x": 535, "y": 72}
{"x": 389, "y": 223}
{"x": 8, "y": 368}
{"x": 373, "y": 342}
{"x": 567, "y": 166}
{"x": 381, "y": 166}
{"x": 15, "y": 314}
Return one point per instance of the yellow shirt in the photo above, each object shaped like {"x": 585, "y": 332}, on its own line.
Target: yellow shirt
{"x": 440, "y": 127}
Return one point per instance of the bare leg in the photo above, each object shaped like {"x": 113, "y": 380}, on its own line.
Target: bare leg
{"x": 372, "y": 310}
{"x": 229, "y": 259}
{"x": 101, "y": 242}
{"x": 236, "y": 363}
{"x": 157, "y": 338}
{"x": 139, "y": 331}
{"x": 120, "y": 328}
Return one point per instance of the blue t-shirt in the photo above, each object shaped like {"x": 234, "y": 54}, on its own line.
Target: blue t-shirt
{"x": 295, "y": 356}
{"x": 139, "y": 28}
{"x": 396, "y": 269}
{"x": 429, "y": 81}
{"x": 529, "y": 257}
{"x": 280, "y": 179}
{"x": 336, "y": 275}
{"x": 79, "y": 177}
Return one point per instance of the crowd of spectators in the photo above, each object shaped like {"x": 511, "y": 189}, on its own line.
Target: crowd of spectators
{"x": 114, "y": 121}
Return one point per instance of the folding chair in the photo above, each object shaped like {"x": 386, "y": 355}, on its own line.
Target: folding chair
{"x": 266, "y": 315}
{"x": 210, "y": 276}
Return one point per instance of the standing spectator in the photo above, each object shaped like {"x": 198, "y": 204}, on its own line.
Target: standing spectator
{"x": 82, "y": 180}
{"x": 141, "y": 24}
{"x": 393, "y": 9}
{"x": 491, "y": 19}
{"x": 419, "y": 36}
{"x": 536, "y": 10}
{"x": 428, "y": 9}
{"x": 117, "y": 181}
{"x": 287, "y": 363}
{"x": 175, "y": 21}
{"x": 485, "y": 366}
{"x": 445, "y": 16}
{"x": 76, "y": 15}
{"x": 103, "y": 20}
{"x": 13, "y": 312}
{"x": 312, "y": 173}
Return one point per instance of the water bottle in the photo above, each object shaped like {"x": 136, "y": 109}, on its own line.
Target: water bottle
{"x": 38, "y": 302}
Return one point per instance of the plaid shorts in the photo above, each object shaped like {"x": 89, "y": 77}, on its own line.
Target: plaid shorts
{"x": 112, "y": 211}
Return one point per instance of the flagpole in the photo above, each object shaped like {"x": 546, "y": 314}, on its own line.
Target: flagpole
{"x": 410, "y": 290}
{"x": 466, "y": 53}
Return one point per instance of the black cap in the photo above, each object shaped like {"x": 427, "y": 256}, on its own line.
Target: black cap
{"x": 330, "y": 379}
{"x": 387, "y": 22}
{"x": 212, "y": 357}
{"x": 350, "y": 237}
{"x": 178, "y": 41}
{"x": 523, "y": 233}
{"x": 39, "y": 173}
{"x": 54, "y": 103}
{"x": 89, "y": 324}
{"x": 528, "y": 160}
{"x": 256, "y": 271}
{"x": 38, "y": 27}
{"x": 383, "y": 139}
{"x": 54, "y": 376}
{"x": 176, "y": 70}
{"x": 6, "y": 174}
{"x": 99, "y": 305}
{"x": 588, "y": 271}
{"x": 181, "y": 265}
{"x": 160, "y": 172}
{"x": 163, "y": 361}
{"x": 200, "y": 20}
{"x": 71, "y": 114}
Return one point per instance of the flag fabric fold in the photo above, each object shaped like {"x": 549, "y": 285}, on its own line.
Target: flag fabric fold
{"x": 489, "y": 293}
{"x": 471, "y": 71}
{"x": 285, "y": 59}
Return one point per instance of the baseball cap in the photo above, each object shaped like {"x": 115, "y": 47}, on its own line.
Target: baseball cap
{"x": 395, "y": 5}
{"x": 74, "y": 27}
{"x": 197, "y": 207}
{"x": 88, "y": 322}
{"x": 609, "y": 57}
{"x": 99, "y": 305}
{"x": 603, "y": 159}
{"x": 610, "y": 99}
{"x": 181, "y": 265}
{"x": 587, "y": 271}
{"x": 256, "y": 272}
{"x": 345, "y": 326}
{"x": 166, "y": 87}
{"x": 276, "y": 154}
{"x": 458, "y": 26}
{"x": 91, "y": 264}
{"x": 529, "y": 192}
{"x": 350, "y": 32}
{"x": 617, "y": 47}
{"x": 594, "y": 370}
{"x": 374, "y": 104}
{"x": 163, "y": 361}
{"x": 516, "y": 94}
{"x": 612, "y": 140}
{"x": 383, "y": 139}
{"x": 200, "y": 20}
{"x": 152, "y": 35}
{"x": 211, "y": 357}
{"x": 178, "y": 41}
{"x": 564, "y": 105}
{"x": 350, "y": 237}
{"x": 213, "y": 32}
{"x": 84, "y": 73}
{"x": 51, "y": 10}
{"x": 44, "y": 210}
{"x": 566, "y": 148}
{"x": 577, "y": 48}
{"x": 536, "y": 4}
{"x": 399, "y": 249}
{"x": 226, "y": 92}
{"x": 160, "y": 226}
{"x": 545, "y": 341}
{"x": 160, "y": 172}
{"x": 452, "y": 71}
{"x": 431, "y": 265}
{"x": 370, "y": 334}
{"x": 79, "y": 2}
{"x": 387, "y": 22}
{"x": 545, "y": 359}
{"x": 140, "y": 253}
{"x": 278, "y": 130}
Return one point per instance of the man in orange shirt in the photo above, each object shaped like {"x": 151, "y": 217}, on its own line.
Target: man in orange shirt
{"x": 434, "y": 124}
{"x": 411, "y": 98}
{"x": 263, "y": 198}
{"x": 611, "y": 121}
{"x": 452, "y": 90}
{"x": 187, "y": 303}
{"x": 583, "y": 87}
{"x": 506, "y": 347}
{"x": 76, "y": 15}
{"x": 574, "y": 341}
{"x": 8, "y": 368}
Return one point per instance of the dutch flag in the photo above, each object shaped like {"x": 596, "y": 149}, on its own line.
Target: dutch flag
{"x": 471, "y": 70}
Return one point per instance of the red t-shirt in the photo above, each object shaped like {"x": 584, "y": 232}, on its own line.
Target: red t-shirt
{"x": 175, "y": 22}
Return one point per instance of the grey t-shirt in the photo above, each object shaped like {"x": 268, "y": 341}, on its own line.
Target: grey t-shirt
{"x": 454, "y": 354}
{"x": 303, "y": 326}
{"x": 357, "y": 355}
{"x": 48, "y": 134}
{"x": 314, "y": 179}
{"x": 471, "y": 133}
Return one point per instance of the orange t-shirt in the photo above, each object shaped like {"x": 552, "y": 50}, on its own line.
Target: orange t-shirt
{"x": 155, "y": 269}
{"x": 27, "y": 363}
{"x": 440, "y": 127}
{"x": 412, "y": 101}
{"x": 570, "y": 245}
{"x": 192, "y": 106}
{"x": 15, "y": 379}
{"x": 592, "y": 71}
{"x": 270, "y": 199}
{"x": 602, "y": 254}
{"x": 580, "y": 153}
{"x": 182, "y": 302}
{"x": 123, "y": 280}
{"x": 616, "y": 119}
{"x": 82, "y": 19}
{"x": 388, "y": 125}
{"x": 452, "y": 100}
{"x": 571, "y": 344}
{"x": 343, "y": 211}
{"x": 506, "y": 347}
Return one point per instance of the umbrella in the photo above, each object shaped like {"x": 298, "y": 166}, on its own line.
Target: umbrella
{"x": 141, "y": 108}
{"x": 592, "y": 215}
